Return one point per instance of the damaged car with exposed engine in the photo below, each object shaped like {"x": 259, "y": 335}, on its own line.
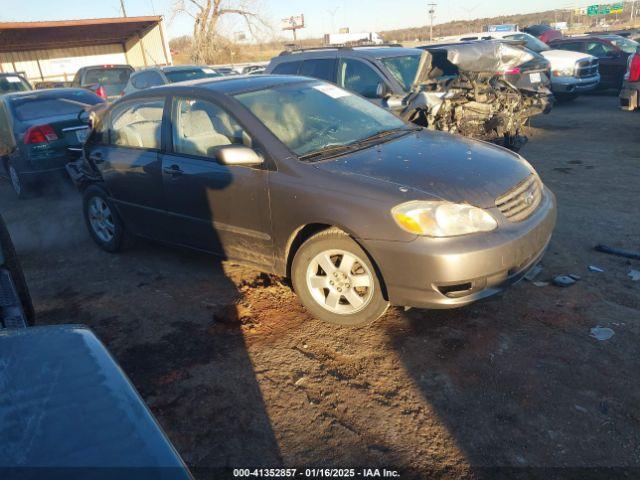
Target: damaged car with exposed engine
{"x": 461, "y": 90}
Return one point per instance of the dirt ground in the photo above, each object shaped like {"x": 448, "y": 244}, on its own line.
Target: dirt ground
{"x": 239, "y": 375}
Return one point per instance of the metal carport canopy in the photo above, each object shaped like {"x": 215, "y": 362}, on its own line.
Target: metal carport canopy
{"x": 24, "y": 36}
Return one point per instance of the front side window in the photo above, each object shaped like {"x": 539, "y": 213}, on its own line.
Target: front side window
{"x": 403, "y": 68}
{"x": 138, "y": 124}
{"x": 311, "y": 116}
{"x": 201, "y": 127}
{"x": 357, "y": 76}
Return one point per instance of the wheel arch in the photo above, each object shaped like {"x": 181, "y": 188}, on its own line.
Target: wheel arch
{"x": 304, "y": 232}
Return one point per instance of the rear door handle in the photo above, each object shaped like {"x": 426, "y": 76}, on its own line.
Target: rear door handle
{"x": 173, "y": 170}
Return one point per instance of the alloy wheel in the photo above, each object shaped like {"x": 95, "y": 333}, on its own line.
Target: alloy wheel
{"x": 101, "y": 219}
{"x": 340, "y": 282}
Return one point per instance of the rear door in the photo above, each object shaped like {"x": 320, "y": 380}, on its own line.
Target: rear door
{"x": 128, "y": 158}
{"x": 214, "y": 207}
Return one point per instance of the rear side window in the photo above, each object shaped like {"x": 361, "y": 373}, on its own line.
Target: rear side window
{"x": 201, "y": 127}
{"x": 107, "y": 76}
{"x": 321, "y": 68}
{"x": 32, "y": 107}
{"x": 137, "y": 124}
{"x": 13, "y": 83}
{"x": 146, "y": 79}
{"x": 287, "y": 68}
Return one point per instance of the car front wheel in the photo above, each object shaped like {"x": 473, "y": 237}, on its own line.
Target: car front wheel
{"x": 336, "y": 281}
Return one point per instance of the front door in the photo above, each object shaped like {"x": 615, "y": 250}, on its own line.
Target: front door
{"x": 214, "y": 207}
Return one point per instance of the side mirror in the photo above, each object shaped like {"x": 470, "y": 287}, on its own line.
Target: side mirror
{"x": 382, "y": 90}
{"x": 239, "y": 155}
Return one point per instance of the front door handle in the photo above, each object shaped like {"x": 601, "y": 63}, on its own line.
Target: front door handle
{"x": 173, "y": 170}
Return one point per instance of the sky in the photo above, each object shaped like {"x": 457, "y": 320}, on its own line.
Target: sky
{"x": 321, "y": 16}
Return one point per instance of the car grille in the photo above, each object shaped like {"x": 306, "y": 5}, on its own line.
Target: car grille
{"x": 520, "y": 202}
{"x": 587, "y": 68}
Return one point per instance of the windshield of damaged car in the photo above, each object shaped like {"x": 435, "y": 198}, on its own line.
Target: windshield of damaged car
{"x": 403, "y": 68}
{"x": 314, "y": 116}
{"x": 531, "y": 42}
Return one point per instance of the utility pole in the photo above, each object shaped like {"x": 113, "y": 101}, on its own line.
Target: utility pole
{"x": 333, "y": 18}
{"x": 432, "y": 13}
{"x": 633, "y": 11}
{"x": 124, "y": 10}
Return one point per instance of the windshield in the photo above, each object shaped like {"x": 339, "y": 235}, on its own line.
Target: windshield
{"x": 531, "y": 42}
{"x": 193, "y": 74}
{"x": 312, "y": 116}
{"x": 403, "y": 68}
{"x": 107, "y": 76}
{"x": 13, "y": 83}
{"x": 32, "y": 107}
{"x": 624, "y": 44}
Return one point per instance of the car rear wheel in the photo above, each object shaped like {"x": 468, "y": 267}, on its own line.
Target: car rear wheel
{"x": 16, "y": 181}
{"x": 102, "y": 220}
{"x": 336, "y": 281}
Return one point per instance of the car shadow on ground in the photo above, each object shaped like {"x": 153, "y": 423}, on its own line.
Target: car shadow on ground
{"x": 184, "y": 350}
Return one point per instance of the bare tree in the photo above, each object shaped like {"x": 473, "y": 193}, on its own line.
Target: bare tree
{"x": 207, "y": 14}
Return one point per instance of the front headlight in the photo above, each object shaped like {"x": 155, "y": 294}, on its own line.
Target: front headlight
{"x": 442, "y": 219}
{"x": 563, "y": 72}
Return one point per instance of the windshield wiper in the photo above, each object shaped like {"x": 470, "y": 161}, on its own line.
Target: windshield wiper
{"x": 333, "y": 150}
{"x": 329, "y": 150}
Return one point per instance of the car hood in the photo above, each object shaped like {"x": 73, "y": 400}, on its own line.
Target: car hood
{"x": 437, "y": 165}
{"x": 564, "y": 58}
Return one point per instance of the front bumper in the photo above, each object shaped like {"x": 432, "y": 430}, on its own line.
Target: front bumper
{"x": 574, "y": 84}
{"x": 630, "y": 96}
{"x": 452, "y": 272}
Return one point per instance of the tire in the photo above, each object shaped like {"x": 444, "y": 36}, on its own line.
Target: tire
{"x": 14, "y": 267}
{"x": 102, "y": 220}
{"x": 335, "y": 297}
{"x": 17, "y": 181}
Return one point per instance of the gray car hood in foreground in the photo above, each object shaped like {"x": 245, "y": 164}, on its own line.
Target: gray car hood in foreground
{"x": 439, "y": 165}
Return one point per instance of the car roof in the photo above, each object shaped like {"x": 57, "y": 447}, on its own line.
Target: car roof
{"x": 361, "y": 52}
{"x": 108, "y": 66}
{"x": 226, "y": 85}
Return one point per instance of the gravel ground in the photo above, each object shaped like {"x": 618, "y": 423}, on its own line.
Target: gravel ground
{"x": 239, "y": 375}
